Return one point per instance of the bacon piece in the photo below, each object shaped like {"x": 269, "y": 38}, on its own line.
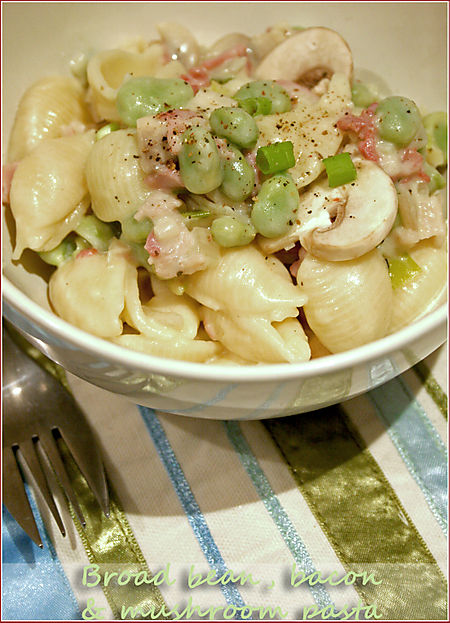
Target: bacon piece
{"x": 152, "y": 246}
{"x": 87, "y": 253}
{"x": 296, "y": 265}
{"x": 365, "y": 129}
{"x": 173, "y": 249}
{"x": 164, "y": 178}
{"x": 199, "y": 78}
{"x": 413, "y": 166}
{"x": 7, "y": 177}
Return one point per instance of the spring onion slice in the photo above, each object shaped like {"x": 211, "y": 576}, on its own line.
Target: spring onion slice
{"x": 275, "y": 158}
{"x": 340, "y": 169}
{"x": 402, "y": 269}
{"x": 256, "y": 105}
{"x": 195, "y": 214}
{"x": 106, "y": 129}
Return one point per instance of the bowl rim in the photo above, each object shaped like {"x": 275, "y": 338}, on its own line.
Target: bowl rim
{"x": 103, "y": 349}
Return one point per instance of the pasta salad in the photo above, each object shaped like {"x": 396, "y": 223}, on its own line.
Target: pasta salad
{"x": 245, "y": 203}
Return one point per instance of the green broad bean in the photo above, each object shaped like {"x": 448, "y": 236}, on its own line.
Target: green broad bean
{"x": 235, "y": 125}
{"x": 436, "y": 179}
{"x": 399, "y": 120}
{"x": 136, "y": 231}
{"x": 140, "y": 255}
{"x": 228, "y": 231}
{"x": 238, "y": 175}
{"x": 362, "y": 95}
{"x": 199, "y": 161}
{"x": 68, "y": 248}
{"x": 436, "y": 128}
{"x": 96, "y": 232}
{"x": 281, "y": 102}
{"x": 275, "y": 207}
{"x": 143, "y": 96}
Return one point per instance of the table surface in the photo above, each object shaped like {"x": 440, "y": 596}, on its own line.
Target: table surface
{"x": 337, "y": 513}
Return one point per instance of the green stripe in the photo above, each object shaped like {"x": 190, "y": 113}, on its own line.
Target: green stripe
{"x": 432, "y": 386}
{"x": 110, "y": 543}
{"x": 361, "y": 515}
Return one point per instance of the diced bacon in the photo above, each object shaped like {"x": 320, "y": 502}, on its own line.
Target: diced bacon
{"x": 86, "y": 253}
{"x": 152, "y": 246}
{"x": 199, "y": 78}
{"x": 164, "y": 178}
{"x": 413, "y": 162}
{"x": 173, "y": 249}
{"x": 365, "y": 129}
{"x": 7, "y": 177}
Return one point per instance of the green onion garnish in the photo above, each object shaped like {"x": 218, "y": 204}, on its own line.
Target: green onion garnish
{"x": 402, "y": 269}
{"x": 340, "y": 169}
{"x": 256, "y": 105}
{"x": 275, "y": 158}
{"x": 106, "y": 129}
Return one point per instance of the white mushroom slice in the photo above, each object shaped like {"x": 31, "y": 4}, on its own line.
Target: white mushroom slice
{"x": 362, "y": 214}
{"x": 308, "y": 57}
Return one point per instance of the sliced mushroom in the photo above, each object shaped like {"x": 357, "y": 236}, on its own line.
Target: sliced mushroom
{"x": 361, "y": 214}
{"x": 308, "y": 57}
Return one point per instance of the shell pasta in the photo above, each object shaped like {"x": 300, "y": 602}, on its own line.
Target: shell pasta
{"x": 246, "y": 203}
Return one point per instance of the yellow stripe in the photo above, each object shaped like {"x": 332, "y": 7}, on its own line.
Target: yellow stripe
{"x": 361, "y": 515}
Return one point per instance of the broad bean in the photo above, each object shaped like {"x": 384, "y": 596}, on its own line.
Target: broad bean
{"x": 235, "y": 125}
{"x": 228, "y": 231}
{"x": 275, "y": 206}
{"x": 281, "y": 102}
{"x": 136, "y": 231}
{"x": 238, "y": 175}
{"x": 436, "y": 128}
{"x": 199, "y": 161}
{"x": 96, "y": 232}
{"x": 399, "y": 120}
{"x": 143, "y": 96}
{"x": 68, "y": 248}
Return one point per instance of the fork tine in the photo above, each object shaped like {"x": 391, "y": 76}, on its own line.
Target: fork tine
{"x": 15, "y": 497}
{"x": 48, "y": 444}
{"x": 28, "y": 451}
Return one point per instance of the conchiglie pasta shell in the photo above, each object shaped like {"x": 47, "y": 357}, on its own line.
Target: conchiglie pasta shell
{"x": 107, "y": 70}
{"x": 200, "y": 351}
{"x": 311, "y": 129}
{"x": 425, "y": 291}
{"x": 245, "y": 281}
{"x": 165, "y": 317}
{"x": 47, "y": 106}
{"x": 349, "y": 303}
{"x": 115, "y": 178}
{"x": 49, "y": 194}
{"x": 257, "y": 339}
{"x": 88, "y": 291}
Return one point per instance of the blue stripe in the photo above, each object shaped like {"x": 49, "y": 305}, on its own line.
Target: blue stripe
{"x": 262, "y": 409}
{"x": 190, "y": 505}
{"x": 417, "y": 442}
{"x": 218, "y": 398}
{"x": 34, "y": 585}
{"x": 275, "y": 510}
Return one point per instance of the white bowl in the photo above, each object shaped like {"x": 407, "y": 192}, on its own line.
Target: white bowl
{"x": 404, "y": 43}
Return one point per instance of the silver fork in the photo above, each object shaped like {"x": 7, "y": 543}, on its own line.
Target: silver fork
{"x": 36, "y": 410}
